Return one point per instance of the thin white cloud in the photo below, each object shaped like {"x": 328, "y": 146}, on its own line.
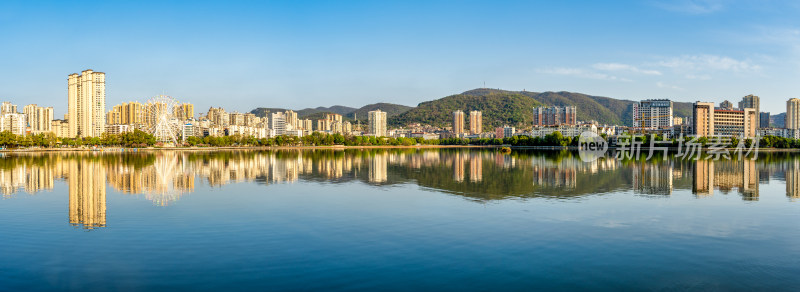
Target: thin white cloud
{"x": 576, "y": 72}
{"x": 709, "y": 63}
{"x": 662, "y": 85}
{"x": 691, "y": 6}
{"x": 701, "y": 77}
{"x": 624, "y": 67}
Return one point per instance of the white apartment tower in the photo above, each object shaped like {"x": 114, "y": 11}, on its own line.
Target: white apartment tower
{"x": 86, "y": 103}
{"x": 277, "y": 123}
{"x": 38, "y": 118}
{"x": 377, "y": 123}
{"x": 653, "y": 114}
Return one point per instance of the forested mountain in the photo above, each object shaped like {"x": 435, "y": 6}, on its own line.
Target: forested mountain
{"x": 499, "y": 107}
{"x": 514, "y": 108}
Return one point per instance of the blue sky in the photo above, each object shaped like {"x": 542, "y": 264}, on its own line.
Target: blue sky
{"x": 297, "y": 54}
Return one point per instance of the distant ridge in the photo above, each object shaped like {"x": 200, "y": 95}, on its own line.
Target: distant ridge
{"x": 348, "y": 112}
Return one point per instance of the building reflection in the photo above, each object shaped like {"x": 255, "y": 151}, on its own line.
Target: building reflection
{"x": 792, "y": 176}
{"x": 87, "y": 194}
{"x": 378, "y": 167}
{"x": 652, "y": 178}
{"x": 726, "y": 175}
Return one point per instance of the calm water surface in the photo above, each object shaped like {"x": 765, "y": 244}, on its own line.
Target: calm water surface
{"x": 396, "y": 220}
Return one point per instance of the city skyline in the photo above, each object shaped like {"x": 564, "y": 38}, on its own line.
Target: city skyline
{"x": 292, "y": 55}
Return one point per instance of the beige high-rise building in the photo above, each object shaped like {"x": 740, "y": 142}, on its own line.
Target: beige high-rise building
{"x": 475, "y": 122}
{"x": 8, "y": 108}
{"x": 291, "y": 120}
{"x": 126, "y": 113}
{"x": 703, "y": 119}
{"x": 218, "y": 116}
{"x": 377, "y": 123}
{"x": 184, "y": 111}
{"x": 709, "y": 121}
{"x": 86, "y": 103}
{"x": 114, "y": 116}
{"x": 793, "y": 114}
{"x": 60, "y": 128}
{"x": 458, "y": 122}
{"x": 307, "y": 124}
{"x": 38, "y": 118}
{"x": 236, "y": 118}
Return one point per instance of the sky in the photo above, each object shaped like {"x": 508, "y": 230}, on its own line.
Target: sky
{"x": 296, "y": 54}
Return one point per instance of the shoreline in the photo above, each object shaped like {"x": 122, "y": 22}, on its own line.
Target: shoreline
{"x": 156, "y": 149}
{"x": 338, "y": 147}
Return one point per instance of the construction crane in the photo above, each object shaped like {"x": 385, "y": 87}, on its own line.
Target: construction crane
{"x": 641, "y": 127}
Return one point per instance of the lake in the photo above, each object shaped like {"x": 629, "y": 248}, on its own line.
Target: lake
{"x": 396, "y": 219}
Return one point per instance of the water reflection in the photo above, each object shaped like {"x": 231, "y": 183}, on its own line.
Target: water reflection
{"x": 87, "y": 194}
{"x": 165, "y": 177}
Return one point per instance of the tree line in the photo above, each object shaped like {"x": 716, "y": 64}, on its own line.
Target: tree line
{"x": 138, "y": 138}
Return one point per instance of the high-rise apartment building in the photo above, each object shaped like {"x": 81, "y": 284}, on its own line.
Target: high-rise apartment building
{"x": 653, "y": 114}
{"x": 184, "y": 111}
{"x": 60, "y": 128}
{"x": 727, "y": 105}
{"x": 709, "y": 121}
{"x": 277, "y": 123}
{"x": 291, "y": 120}
{"x": 332, "y": 123}
{"x": 754, "y": 102}
{"x": 8, "y": 108}
{"x": 126, "y": 113}
{"x": 703, "y": 119}
{"x": 38, "y": 118}
{"x": 764, "y": 120}
{"x": 475, "y": 122}
{"x": 377, "y": 123}
{"x": 554, "y": 115}
{"x": 236, "y": 118}
{"x": 509, "y": 131}
{"x": 86, "y": 103}
{"x": 307, "y": 124}
{"x": 251, "y": 120}
{"x": 13, "y": 122}
{"x": 793, "y": 114}
{"x": 458, "y": 122}
{"x": 218, "y": 117}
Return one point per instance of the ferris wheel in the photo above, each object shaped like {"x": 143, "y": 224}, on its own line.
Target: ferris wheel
{"x": 161, "y": 119}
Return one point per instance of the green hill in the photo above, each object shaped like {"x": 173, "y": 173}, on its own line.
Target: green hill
{"x": 498, "y": 107}
{"x": 514, "y": 108}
